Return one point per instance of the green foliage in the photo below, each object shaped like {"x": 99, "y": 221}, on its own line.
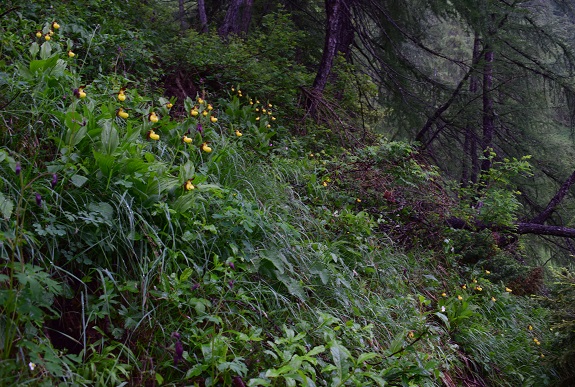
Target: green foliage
{"x": 149, "y": 240}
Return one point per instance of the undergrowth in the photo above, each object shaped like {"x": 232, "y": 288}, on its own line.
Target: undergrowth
{"x": 210, "y": 247}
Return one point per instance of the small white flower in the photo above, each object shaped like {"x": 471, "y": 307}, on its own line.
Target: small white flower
{"x": 446, "y": 241}
{"x": 443, "y": 308}
{"x": 32, "y": 366}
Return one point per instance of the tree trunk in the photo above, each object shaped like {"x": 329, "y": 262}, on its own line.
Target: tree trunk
{"x": 231, "y": 21}
{"x": 182, "y": 14}
{"x": 332, "y": 34}
{"x": 470, "y": 159}
{"x": 203, "y": 17}
{"x": 237, "y": 18}
{"x": 557, "y": 199}
{"x": 488, "y": 112}
{"x": 246, "y": 16}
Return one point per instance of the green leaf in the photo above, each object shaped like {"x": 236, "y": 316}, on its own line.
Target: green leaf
{"x": 186, "y": 274}
{"x": 6, "y": 206}
{"x": 79, "y": 180}
{"x": 109, "y": 137}
{"x": 366, "y": 356}
{"x": 314, "y": 351}
{"x": 45, "y": 50}
{"x": 443, "y": 318}
{"x": 102, "y": 208}
{"x": 34, "y": 49}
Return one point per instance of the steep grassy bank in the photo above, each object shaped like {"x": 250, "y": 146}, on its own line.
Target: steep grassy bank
{"x": 151, "y": 240}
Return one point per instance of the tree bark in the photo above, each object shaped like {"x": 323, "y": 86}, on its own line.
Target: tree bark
{"x": 488, "y": 112}
{"x": 519, "y": 228}
{"x": 555, "y": 201}
{"x": 182, "y": 14}
{"x": 231, "y": 21}
{"x": 203, "y": 17}
{"x": 471, "y": 171}
{"x": 332, "y": 34}
{"x": 237, "y": 18}
{"x": 246, "y": 16}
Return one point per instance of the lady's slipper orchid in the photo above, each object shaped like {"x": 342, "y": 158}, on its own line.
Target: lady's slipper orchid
{"x": 153, "y": 117}
{"x": 122, "y": 114}
{"x": 153, "y": 135}
{"x": 189, "y": 186}
{"x": 186, "y": 139}
{"x": 206, "y": 148}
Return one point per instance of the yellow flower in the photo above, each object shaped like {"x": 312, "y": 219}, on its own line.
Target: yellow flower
{"x": 263, "y": 110}
{"x": 270, "y": 105}
{"x": 205, "y": 113}
{"x": 200, "y": 101}
{"x": 443, "y": 294}
{"x": 210, "y": 107}
{"x": 257, "y": 118}
{"x": 169, "y": 105}
{"x": 238, "y": 133}
{"x": 189, "y": 186}
{"x": 186, "y": 139}
{"x": 233, "y": 89}
{"x": 493, "y": 299}
{"x": 268, "y": 126}
{"x": 257, "y": 101}
{"x": 71, "y": 54}
{"x": 153, "y": 135}
{"x": 47, "y": 37}
{"x": 257, "y": 109}
{"x": 324, "y": 183}
{"x": 273, "y": 118}
{"x": 474, "y": 281}
{"x": 358, "y": 200}
{"x": 206, "y": 148}
{"x": 542, "y": 356}
{"x": 459, "y": 298}
{"x": 122, "y": 114}
{"x": 79, "y": 92}
{"x": 508, "y": 290}
{"x": 464, "y": 287}
{"x": 478, "y": 288}
{"x": 55, "y": 25}
{"x": 251, "y": 102}
{"x": 530, "y": 327}
{"x": 487, "y": 272}
{"x": 194, "y": 112}
{"x": 51, "y": 33}
{"x": 38, "y": 34}
{"x": 411, "y": 334}
{"x": 153, "y": 117}
{"x": 121, "y": 96}
{"x": 213, "y": 119}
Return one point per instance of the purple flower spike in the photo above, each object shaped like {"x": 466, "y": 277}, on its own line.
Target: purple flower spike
{"x": 54, "y": 180}
{"x": 38, "y": 199}
{"x": 199, "y": 128}
{"x": 232, "y": 266}
{"x": 18, "y": 169}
